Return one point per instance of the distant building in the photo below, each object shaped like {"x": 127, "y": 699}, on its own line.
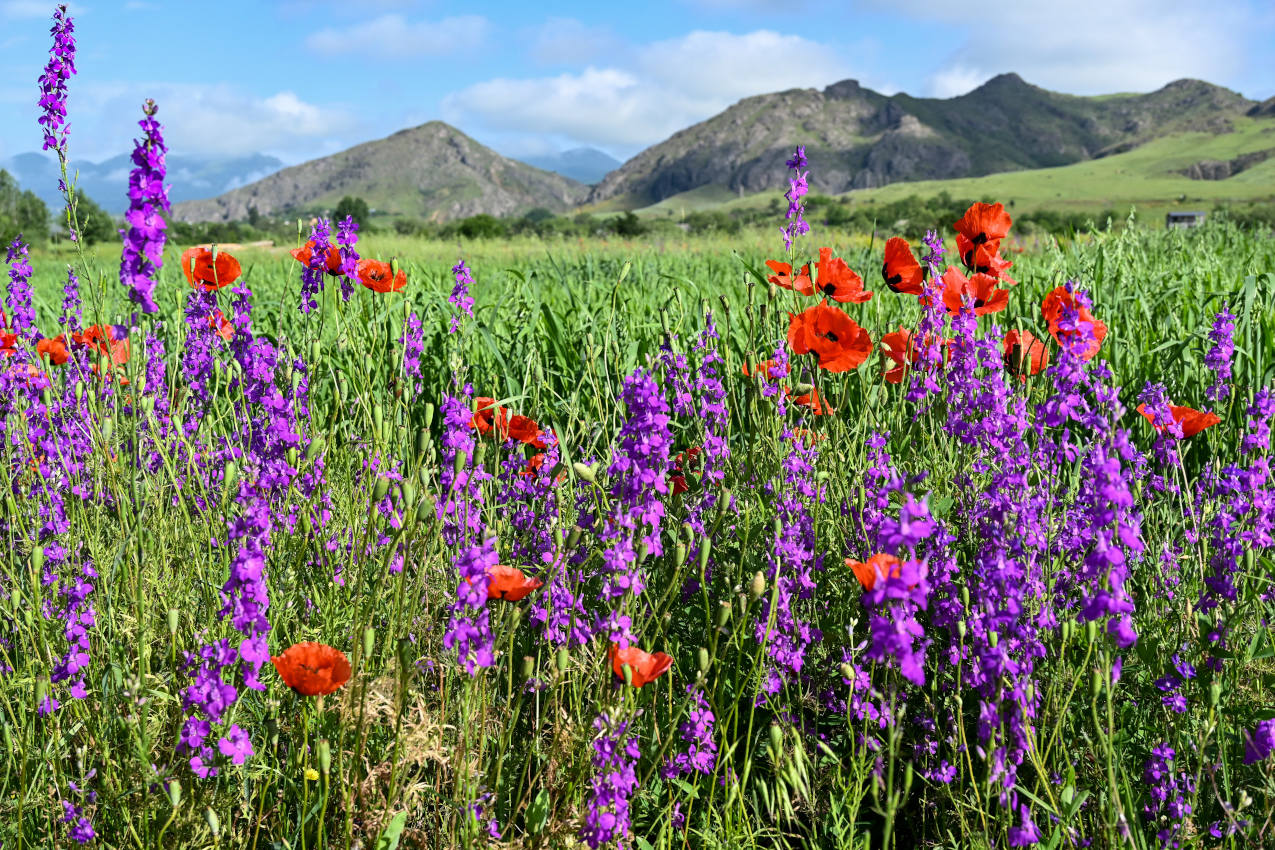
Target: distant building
{"x": 1185, "y": 218}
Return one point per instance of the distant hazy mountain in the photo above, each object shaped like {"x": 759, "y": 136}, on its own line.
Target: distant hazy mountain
{"x": 189, "y": 178}
{"x": 862, "y": 139}
{"x": 588, "y": 165}
{"x": 432, "y": 171}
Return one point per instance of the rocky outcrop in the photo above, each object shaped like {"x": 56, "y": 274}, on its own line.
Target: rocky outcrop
{"x": 1216, "y": 169}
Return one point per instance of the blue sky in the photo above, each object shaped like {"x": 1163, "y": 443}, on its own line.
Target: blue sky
{"x": 303, "y": 79}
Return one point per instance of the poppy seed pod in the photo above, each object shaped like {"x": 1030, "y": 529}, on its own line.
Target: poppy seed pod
{"x": 381, "y": 489}
{"x": 429, "y": 415}
{"x": 325, "y": 756}
{"x": 369, "y": 641}
{"x": 528, "y": 667}
{"x": 588, "y": 473}
{"x": 701, "y": 659}
{"x": 173, "y": 616}
{"x": 757, "y": 586}
{"x": 230, "y": 476}
{"x": 174, "y": 792}
{"x": 723, "y": 615}
{"x": 562, "y": 659}
{"x": 213, "y": 822}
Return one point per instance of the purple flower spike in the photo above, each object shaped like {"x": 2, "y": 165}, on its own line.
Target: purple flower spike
{"x": 797, "y": 189}
{"x": 53, "y": 93}
{"x": 347, "y": 236}
{"x": 460, "y": 297}
{"x": 145, "y": 234}
{"x": 1219, "y": 356}
{"x": 21, "y": 309}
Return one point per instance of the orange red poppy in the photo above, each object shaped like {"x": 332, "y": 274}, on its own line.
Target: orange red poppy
{"x": 984, "y": 223}
{"x": 509, "y": 583}
{"x": 379, "y": 277}
{"x": 979, "y": 290}
{"x": 898, "y": 347}
{"x": 901, "y": 271}
{"x": 1024, "y": 354}
{"x": 201, "y": 269}
{"x": 54, "y": 350}
{"x": 312, "y": 669}
{"x": 1192, "y": 421}
{"x": 784, "y": 279}
{"x": 644, "y": 667}
{"x": 877, "y": 567}
{"x": 111, "y": 340}
{"x": 332, "y": 264}
{"x": 838, "y": 281}
{"x": 1052, "y": 309}
{"x": 835, "y": 338}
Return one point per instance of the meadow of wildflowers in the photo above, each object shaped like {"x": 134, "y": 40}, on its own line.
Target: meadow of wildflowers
{"x": 887, "y": 549}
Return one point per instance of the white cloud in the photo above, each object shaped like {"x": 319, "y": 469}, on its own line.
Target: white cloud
{"x": 659, "y": 88}
{"x": 1088, "y": 46}
{"x": 206, "y": 120}
{"x": 561, "y": 41}
{"x": 394, "y": 35}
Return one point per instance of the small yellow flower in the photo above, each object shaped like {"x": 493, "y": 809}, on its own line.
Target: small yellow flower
{"x": 311, "y": 774}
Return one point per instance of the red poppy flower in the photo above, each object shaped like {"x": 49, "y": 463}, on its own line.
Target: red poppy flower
{"x": 783, "y": 278}
{"x": 333, "y": 264}
{"x": 534, "y": 463}
{"x": 509, "y": 583}
{"x": 1024, "y": 354}
{"x": 525, "y": 430}
{"x": 980, "y": 290}
{"x": 984, "y": 223}
{"x": 486, "y": 414}
{"x": 1052, "y": 309}
{"x": 686, "y": 461}
{"x": 312, "y": 669}
{"x": 763, "y": 370}
{"x": 984, "y": 259}
{"x": 901, "y": 270}
{"x": 812, "y": 401}
{"x": 380, "y": 277}
{"x": 54, "y": 350}
{"x": 105, "y": 339}
{"x": 8, "y": 343}
{"x": 897, "y": 345}
{"x": 840, "y": 344}
{"x": 199, "y": 268}
{"x": 876, "y": 567}
{"x": 223, "y": 326}
{"x": 1192, "y": 421}
{"x": 645, "y": 667}
{"x": 809, "y": 436}
{"x": 838, "y": 281}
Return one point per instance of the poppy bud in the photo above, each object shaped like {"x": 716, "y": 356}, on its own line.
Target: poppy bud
{"x": 1215, "y": 694}
{"x": 723, "y": 615}
{"x": 8, "y": 737}
{"x": 588, "y": 473}
{"x": 561, "y": 660}
{"x": 1091, "y": 631}
{"x": 409, "y": 494}
{"x": 174, "y": 792}
{"x": 628, "y": 674}
{"x": 528, "y": 667}
{"x": 325, "y": 756}
{"x": 378, "y": 419}
{"x": 758, "y": 585}
{"x": 573, "y": 539}
{"x": 679, "y": 554}
{"x": 458, "y": 463}
{"x": 965, "y": 598}
{"x": 960, "y": 629}
{"x": 231, "y": 476}
{"x": 394, "y": 267}
{"x": 316, "y": 349}
{"x": 701, "y": 659}
{"x": 422, "y": 437}
{"x": 847, "y": 672}
{"x": 772, "y": 292}
{"x": 108, "y": 429}
{"x": 423, "y": 510}
{"x": 380, "y": 489}
{"x": 312, "y": 450}
{"x": 293, "y": 456}
{"x": 993, "y": 639}
{"x": 705, "y": 548}
{"x": 214, "y": 822}
{"x": 41, "y": 690}
{"x": 172, "y": 621}
{"x": 725, "y": 303}
{"x": 369, "y": 641}
{"x": 480, "y": 453}
{"x": 1096, "y": 682}
{"x": 515, "y": 618}
{"x": 804, "y": 389}
{"x": 403, "y": 654}
{"x": 37, "y": 559}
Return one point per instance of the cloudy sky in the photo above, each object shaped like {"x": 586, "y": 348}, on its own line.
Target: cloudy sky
{"x": 300, "y": 79}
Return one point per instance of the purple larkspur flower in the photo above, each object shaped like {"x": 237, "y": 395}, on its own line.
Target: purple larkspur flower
{"x": 145, "y": 229}
{"x": 53, "y": 91}
{"x": 798, "y": 186}
{"x": 699, "y": 752}
{"x": 460, "y": 297}
{"x": 347, "y": 236}
{"x": 615, "y": 758}
{"x": 18, "y": 300}
{"x": 1218, "y": 358}
{"x": 1170, "y": 789}
{"x": 71, "y": 300}
{"x": 314, "y": 271}
{"x": 413, "y": 341}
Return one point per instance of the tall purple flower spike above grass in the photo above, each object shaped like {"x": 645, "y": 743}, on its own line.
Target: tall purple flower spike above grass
{"x": 144, "y": 234}
{"x": 53, "y": 93}
{"x": 797, "y": 189}
{"x": 460, "y": 297}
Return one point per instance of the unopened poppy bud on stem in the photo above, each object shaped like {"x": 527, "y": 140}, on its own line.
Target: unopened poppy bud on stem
{"x": 325, "y": 756}
{"x": 758, "y": 585}
{"x": 369, "y": 642}
{"x": 701, "y": 659}
{"x": 174, "y": 792}
{"x": 214, "y": 822}
{"x": 723, "y": 615}
{"x": 172, "y": 621}
{"x": 562, "y": 659}
{"x": 528, "y": 667}
{"x": 588, "y": 473}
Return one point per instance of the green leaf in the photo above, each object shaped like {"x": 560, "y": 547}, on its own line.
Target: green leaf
{"x": 538, "y": 812}
{"x": 393, "y": 831}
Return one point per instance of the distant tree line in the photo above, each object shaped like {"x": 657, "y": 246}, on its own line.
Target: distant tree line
{"x": 22, "y": 211}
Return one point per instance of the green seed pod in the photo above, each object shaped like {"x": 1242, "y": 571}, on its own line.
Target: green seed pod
{"x": 993, "y": 639}
{"x": 79, "y": 392}
{"x": 757, "y": 586}
{"x": 108, "y": 429}
{"x": 214, "y": 822}
{"x": 705, "y": 548}
{"x": 429, "y": 414}
{"x": 231, "y": 477}
{"x": 701, "y": 659}
{"x": 37, "y": 560}
{"x": 960, "y": 629}
{"x": 528, "y": 667}
{"x": 628, "y": 674}
{"x": 325, "y": 756}
{"x": 1215, "y": 694}
{"x": 803, "y": 389}
{"x": 573, "y": 539}
{"x": 294, "y": 457}
{"x": 1091, "y": 631}
{"x": 515, "y": 618}
{"x": 409, "y": 494}
{"x": 725, "y": 303}
{"x": 41, "y": 690}
{"x": 562, "y": 659}
{"x": 378, "y": 418}
{"x": 381, "y": 488}
{"x": 772, "y": 292}
{"x": 394, "y": 266}
{"x": 424, "y": 510}
{"x": 316, "y": 446}
{"x": 369, "y": 641}
{"x": 1095, "y": 684}
{"x": 679, "y": 554}
{"x": 588, "y": 473}
{"x": 723, "y": 615}
{"x": 458, "y": 463}
{"x": 173, "y": 616}
{"x": 174, "y": 792}
{"x": 422, "y": 439}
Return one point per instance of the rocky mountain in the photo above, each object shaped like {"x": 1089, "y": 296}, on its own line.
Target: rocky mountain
{"x": 862, "y": 139}
{"x": 432, "y": 171}
{"x": 587, "y": 165}
{"x": 106, "y": 182}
